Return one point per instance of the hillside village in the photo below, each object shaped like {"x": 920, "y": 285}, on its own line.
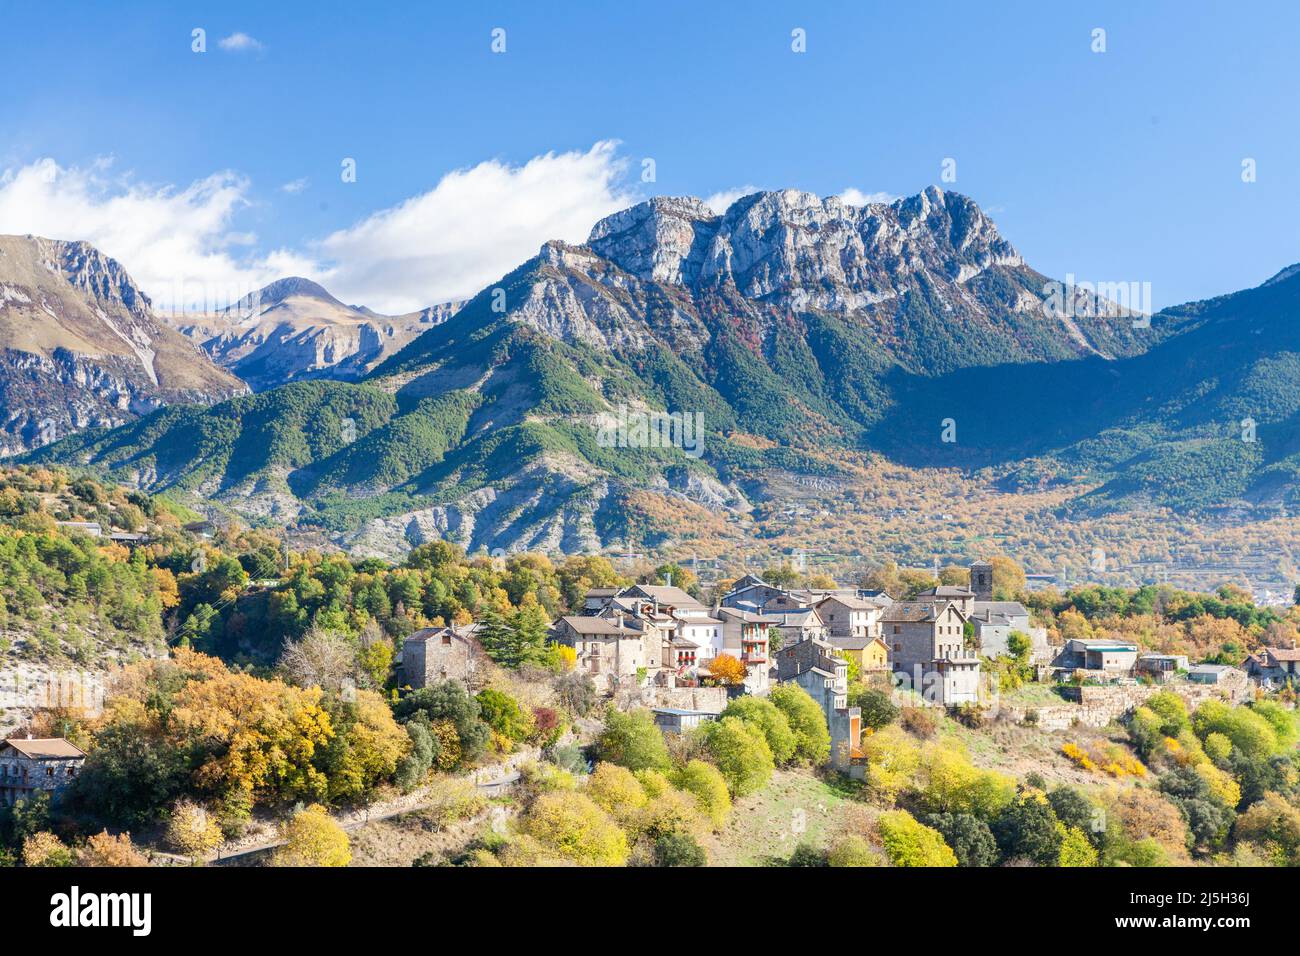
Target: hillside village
{"x": 450, "y": 707}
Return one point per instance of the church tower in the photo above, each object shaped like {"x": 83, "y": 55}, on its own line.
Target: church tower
{"x": 981, "y": 580}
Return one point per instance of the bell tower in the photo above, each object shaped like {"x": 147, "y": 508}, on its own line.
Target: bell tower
{"x": 981, "y": 580}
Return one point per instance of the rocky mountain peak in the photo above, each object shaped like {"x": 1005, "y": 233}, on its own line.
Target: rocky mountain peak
{"x": 281, "y": 289}
{"x": 794, "y": 245}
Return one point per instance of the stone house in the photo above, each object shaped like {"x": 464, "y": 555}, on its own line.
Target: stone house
{"x": 798, "y": 625}
{"x": 744, "y": 636}
{"x": 31, "y": 765}
{"x": 432, "y": 654}
{"x": 963, "y": 598}
{"x": 1161, "y": 667}
{"x": 871, "y": 654}
{"x": 928, "y": 652}
{"x": 846, "y": 616}
{"x": 608, "y": 650}
{"x": 1274, "y": 666}
{"x": 1215, "y": 674}
{"x": 993, "y": 622}
{"x": 814, "y": 665}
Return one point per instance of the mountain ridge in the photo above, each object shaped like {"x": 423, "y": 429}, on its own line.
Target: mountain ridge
{"x": 811, "y": 336}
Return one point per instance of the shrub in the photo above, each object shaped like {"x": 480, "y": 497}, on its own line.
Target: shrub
{"x": 740, "y": 752}
{"x": 706, "y": 783}
{"x": 969, "y": 837}
{"x": 765, "y": 715}
{"x": 1076, "y": 848}
{"x": 632, "y": 740}
{"x": 569, "y": 826}
{"x": 805, "y": 854}
{"x": 877, "y": 709}
{"x": 908, "y": 842}
{"x": 617, "y": 791}
{"x": 679, "y": 849}
{"x": 1027, "y": 828}
{"x": 192, "y": 830}
{"x": 811, "y": 735}
{"x": 918, "y": 721}
{"x": 851, "y": 850}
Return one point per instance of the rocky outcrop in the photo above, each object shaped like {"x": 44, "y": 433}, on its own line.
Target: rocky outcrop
{"x": 81, "y": 348}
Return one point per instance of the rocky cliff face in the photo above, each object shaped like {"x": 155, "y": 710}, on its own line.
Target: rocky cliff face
{"x": 81, "y": 348}
{"x": 293, "y": 330}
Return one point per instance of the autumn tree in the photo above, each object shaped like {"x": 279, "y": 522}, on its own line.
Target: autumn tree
{"x": 103, "y": 849}
{"x": 727, "y": 670}
{"x": 192, "y": 830}
{"x": 312, "y": 838}
{"x": 741, "y": 754}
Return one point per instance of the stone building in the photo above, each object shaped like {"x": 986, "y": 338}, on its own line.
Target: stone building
{"x": 432, "y": 654}
{"x": 31, "y": 765}
{"x": 981, "y": 580}
{"x": 928, "y": 652}
{"x": 610, "y": 651}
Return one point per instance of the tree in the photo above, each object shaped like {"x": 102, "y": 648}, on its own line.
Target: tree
{"x": 576, "y": 692}
{"x": 741, "y": 753}
{"x": 1272, "y": 822}
{"x": 807, "y": 721}
{"x": 570, "y": 827}
{"x": 727, "y": 670}
{"x": 504, "y": 715}
{"x": 969, "y": 837}
{"x": 448, "y": 703}
{"x": 1076, "y": 848}
{"x": 877, "y": 709}
{"x": 908, "y": 842}
{"x": 45, "y": 849}
{"x": 192, "y": 830}
{"x": 321, "y": 658}
{"x": 617, "y": 791}
{"x": 103, "y": 849}
{"x": 366, "y": 747}
{"x": 679, "y": 849}
{"x": 632, "y": 740}
{"x": 709, "y": 787}
{"x": 765, "y": 715}
{"x": 312, "y": 838}
{"x": 1027, "y": 828}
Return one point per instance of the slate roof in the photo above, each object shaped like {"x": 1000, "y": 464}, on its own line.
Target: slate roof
{"x": 45, "y": 748}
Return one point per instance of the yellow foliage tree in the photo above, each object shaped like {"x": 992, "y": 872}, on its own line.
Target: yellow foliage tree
{"x": 312, "y": 838}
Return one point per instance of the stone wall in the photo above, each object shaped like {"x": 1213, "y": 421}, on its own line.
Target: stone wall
{"x": 711, "y": 700}
{"x": 1099, "y": 706}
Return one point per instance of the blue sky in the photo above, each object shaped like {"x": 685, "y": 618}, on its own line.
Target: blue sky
{"x": 1115, "y": 166}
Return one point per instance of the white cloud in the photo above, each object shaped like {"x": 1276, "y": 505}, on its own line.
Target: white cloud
{"x": 181, "y": 245}
{"x": 472, "y": 228}
{"x": 296, "y": 186}
{"x": 175, "y": 243}
{"x": 241, "y": 43}
{"x": 719, "y": 201}
{"x": 856, "y": 197}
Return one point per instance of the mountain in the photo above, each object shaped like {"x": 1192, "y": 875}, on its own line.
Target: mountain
{"x": 81, "y": 348}
{"x": 810, "y": 337}
{"x": 293, "y": 330}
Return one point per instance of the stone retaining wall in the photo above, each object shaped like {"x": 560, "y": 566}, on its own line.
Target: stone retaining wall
{"x": 1100, "y": 706}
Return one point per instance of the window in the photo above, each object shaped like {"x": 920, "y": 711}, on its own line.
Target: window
{"x": 446, "y": 640}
